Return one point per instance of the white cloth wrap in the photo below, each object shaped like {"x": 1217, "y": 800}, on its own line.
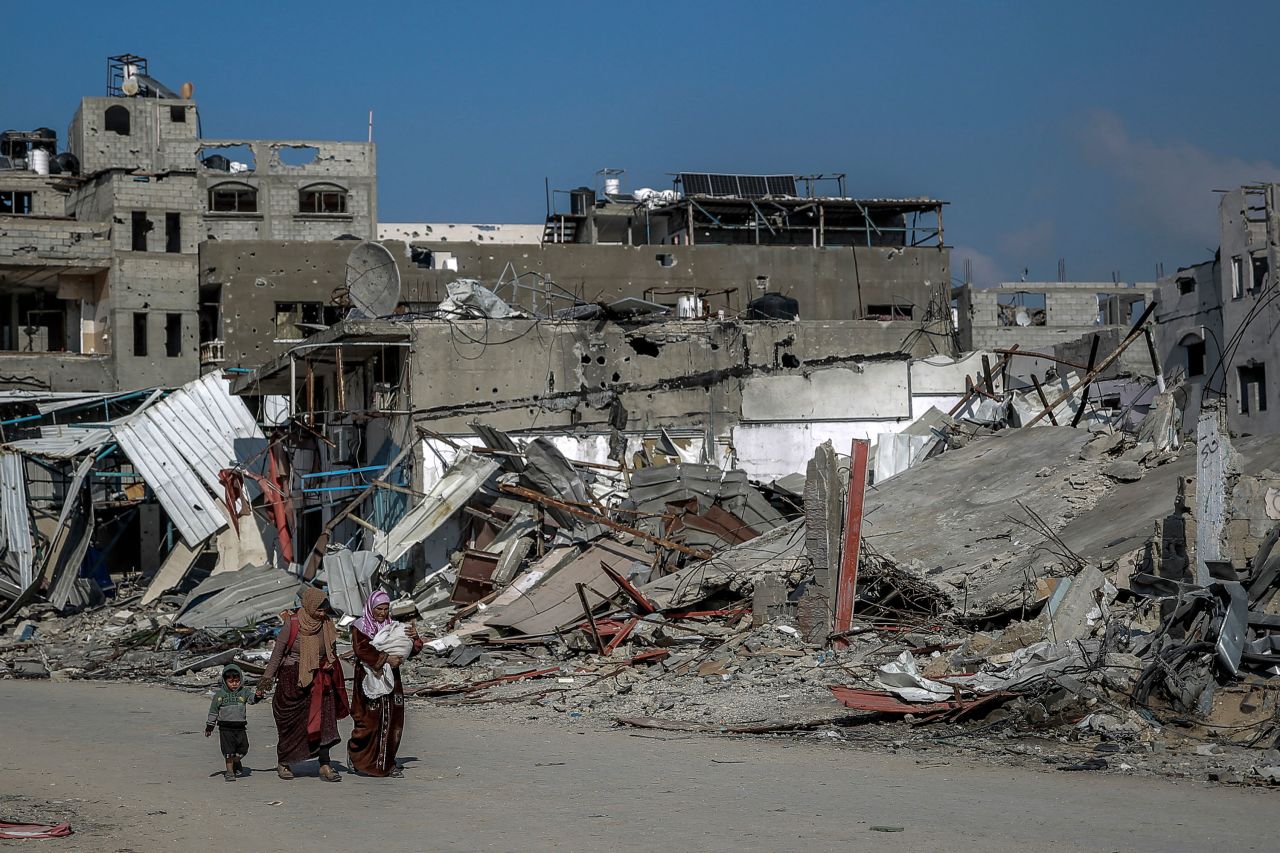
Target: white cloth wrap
{"x": 391, "y": 640}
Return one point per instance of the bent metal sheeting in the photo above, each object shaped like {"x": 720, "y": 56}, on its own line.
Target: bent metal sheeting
{"x": 180, "y": 445}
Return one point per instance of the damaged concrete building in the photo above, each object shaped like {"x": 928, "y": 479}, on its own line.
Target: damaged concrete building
{"x": 100, "y": 245}
{"x": 1218, "y": 320}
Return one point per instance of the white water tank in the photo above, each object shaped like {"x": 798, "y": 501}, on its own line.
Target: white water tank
{"x": 38, "y": 160}
{"x": 612, "y": 186}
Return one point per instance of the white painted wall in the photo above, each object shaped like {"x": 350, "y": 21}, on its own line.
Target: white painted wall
{"x": 518, "y": 234}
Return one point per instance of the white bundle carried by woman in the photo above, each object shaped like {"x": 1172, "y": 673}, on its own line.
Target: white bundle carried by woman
{"x": 391, "y": 640}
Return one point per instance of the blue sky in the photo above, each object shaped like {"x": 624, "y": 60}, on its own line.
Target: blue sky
{"x": 1095, "y": 132}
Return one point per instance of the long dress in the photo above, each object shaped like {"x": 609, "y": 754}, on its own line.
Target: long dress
{"x": 377, "y": 723}
{"x": 306, "y": 717}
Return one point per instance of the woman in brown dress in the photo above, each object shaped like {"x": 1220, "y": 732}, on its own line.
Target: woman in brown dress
{"x": 311, "y": 695}
{"x": 378, "y": 723}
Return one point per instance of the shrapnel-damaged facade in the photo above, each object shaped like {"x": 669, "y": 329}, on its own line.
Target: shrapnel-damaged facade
{"x": 1218, "y": 320}
{"x": 100, "y": 245}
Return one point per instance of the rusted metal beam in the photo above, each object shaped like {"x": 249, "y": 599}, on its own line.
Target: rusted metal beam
{"x": 1041, "y": 355}
{"x": 629, "y": 588}
{"x": 971, "y": 388}
{"x": 547, "y": 500}
{"x": 847, "y": 579}
{"x": 1084, "y": 395}
{"x": 591, "y": 619}
{"x": 1134, "y": 334}
{"x": 1044, "y": 401}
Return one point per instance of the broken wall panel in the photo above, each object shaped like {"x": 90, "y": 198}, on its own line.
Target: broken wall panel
{"x": 872, "y": 390}
{"x": 463, "y": 479}
{"x": 19, "y": 546}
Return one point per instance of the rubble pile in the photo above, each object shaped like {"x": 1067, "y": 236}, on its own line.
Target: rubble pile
{"x": 1081, "y": 596}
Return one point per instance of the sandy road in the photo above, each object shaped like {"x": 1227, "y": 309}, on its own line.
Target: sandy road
{"x": 133, "y": 773}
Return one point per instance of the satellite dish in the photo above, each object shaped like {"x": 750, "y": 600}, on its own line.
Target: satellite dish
{"x": 1022, "y": 319}
{"x": 130, "y": 86}
{"x": 373, "y": 282}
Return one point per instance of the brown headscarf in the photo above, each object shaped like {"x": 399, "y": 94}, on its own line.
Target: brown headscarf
{"x": 316, "y": 634}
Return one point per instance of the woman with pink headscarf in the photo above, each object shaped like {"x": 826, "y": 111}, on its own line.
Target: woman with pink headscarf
{"x": 379, "y": 721}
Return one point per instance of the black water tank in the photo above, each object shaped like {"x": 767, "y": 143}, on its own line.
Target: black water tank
{"x": 48, "y": 139}
{"x": 773, "y": 306}
{"x": 217, "y": 162}
{"x": 68, "y": 162}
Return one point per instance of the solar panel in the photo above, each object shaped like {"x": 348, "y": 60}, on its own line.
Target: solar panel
{"x": 724, "y": 184}
{"x": 752, "y": 186}
{"x": 696, "y": 184}
{"x": 737, "y": 186}
{"x": 781, "y": 184}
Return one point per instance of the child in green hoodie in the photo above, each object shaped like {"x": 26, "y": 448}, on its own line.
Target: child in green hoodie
{"x": 228, "y": 711}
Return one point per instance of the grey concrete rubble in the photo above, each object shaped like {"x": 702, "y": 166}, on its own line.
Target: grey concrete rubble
{"x": 600, "y": 460}
{"x": 1016, "y": 586}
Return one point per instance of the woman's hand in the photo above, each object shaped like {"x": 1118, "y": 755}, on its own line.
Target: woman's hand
{"x": 411, "y": 631}
{"x": 395, "y": 660}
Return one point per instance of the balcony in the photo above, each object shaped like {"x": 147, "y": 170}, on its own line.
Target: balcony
{"x": 212, "y": 353}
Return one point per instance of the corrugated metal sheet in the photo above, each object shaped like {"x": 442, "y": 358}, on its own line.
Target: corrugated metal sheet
{"x": 348, "y": 574}
{"x": 463, "y": 479}
{"x": 653, "y": 488}
{"x": 237, "y": 599}
{"x": 59, "y": 441}
{"x": 179, "y": 446}
{"x": 71, "y": 540}
{"x": 15, "y": 517}
{"x": 554, "y": 602}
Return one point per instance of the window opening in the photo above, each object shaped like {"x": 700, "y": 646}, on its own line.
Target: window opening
{"x": 1253, "y": 388}
{"x": 1237, "y": 277}
{"x": 173, "y": 232}
{"x": 14, "y": 203}
{"x": 141, "y": 225}
{"x": 116, "y": 120}
{"x": 1194, "y": 349}
{"x": 173, "y": 335}
{"x": 140, "y": 335}
{"x": 322, "y": 199}
{"x": 1261, "y": 268}
{"x": 1021, "y": 309}
{"x": 178, "y": 115}
{"x": 233, "y": 198}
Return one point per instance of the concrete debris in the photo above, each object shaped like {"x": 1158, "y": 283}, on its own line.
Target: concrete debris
{"x": 1086, "y": 582}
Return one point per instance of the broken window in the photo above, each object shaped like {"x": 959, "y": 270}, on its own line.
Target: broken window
{"x": 297, "y": 320}
{"x": 889, "y": 312}
{"x": 140, "y": 334}
{"x": 298, "y": 155}
{"x": 173, "y": 335}
{"x": 1194, "y": 350}
{"x": 1253, "y": 388}
{"x": 1237, "y": 277}
{"x": 173, "y": 232}
{"x": 140, "y": 227}
{"x": 14, "y": 203}
{"x": 1021, "y": 309}
{"x": 1261, "y": 267}
{"x": 178, "y": 115}
{"x": 233, "y": 198}
{"x": 116, "y": 120}
{"x": 322, "y": 198}
{"x": 1186, "y": 284}
{"x": 666, "y": 259}
{"x": 227, "y": 158}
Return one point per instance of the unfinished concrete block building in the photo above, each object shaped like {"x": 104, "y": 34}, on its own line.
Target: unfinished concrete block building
{"x": 100, "y": 246}
{"x": 1218, "y": 320}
